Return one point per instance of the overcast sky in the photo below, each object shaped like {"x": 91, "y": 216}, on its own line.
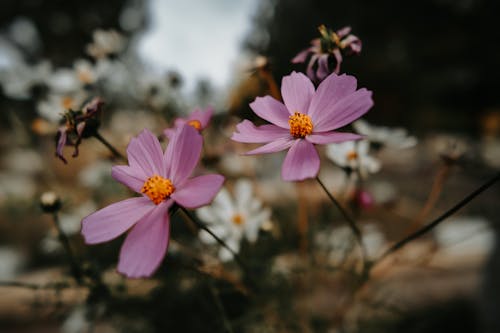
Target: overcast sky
{"x": 197, "y": 38}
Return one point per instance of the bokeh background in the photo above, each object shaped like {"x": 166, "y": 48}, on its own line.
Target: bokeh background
{"x": 433, "y": 68}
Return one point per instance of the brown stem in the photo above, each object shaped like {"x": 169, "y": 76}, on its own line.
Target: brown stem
{"x": 108, "y": 145}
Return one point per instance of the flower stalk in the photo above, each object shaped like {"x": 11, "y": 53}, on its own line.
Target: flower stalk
{"x": 352, "y": 224}
{"x": 108, "y": 145}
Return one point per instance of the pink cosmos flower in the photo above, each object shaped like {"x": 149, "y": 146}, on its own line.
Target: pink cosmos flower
{"x": 199, "y": 119}
{"x": 306, "y": 118}
{"x": 162, "y": 179}
{"x": 326, "y": 53}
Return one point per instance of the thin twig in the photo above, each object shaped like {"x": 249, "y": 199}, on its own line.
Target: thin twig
{"x": 350, "y": 222}
{"x": 75, "y": 267}
{"x": 108, "y": 145}
{"x": 441, "y": 218}
{"x": 217, "y": 238}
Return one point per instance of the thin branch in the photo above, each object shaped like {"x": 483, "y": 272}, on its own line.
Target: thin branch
{"x": 351, "y": 223}
{"x": 422, "y": 231}
{"x": 108, "y": 145}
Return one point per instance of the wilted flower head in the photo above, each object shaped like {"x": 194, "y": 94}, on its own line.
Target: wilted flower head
{"x": 307, "y": 117}
{"x": 385, "y": 136}
{"x": 198, "y": 119}
{"x": 78, "y": 125}
{"x": 162, "y": 180}
{"x": 233, "y": 219}
{"x": 326, "y": 53}
{"x": 353, "y": 156}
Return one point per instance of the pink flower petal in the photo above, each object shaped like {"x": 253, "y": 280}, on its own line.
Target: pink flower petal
{"x": 329, "y": 92}
{"x": 248, "y": 132}
{"x": 198, "y": 191}
{"x": 274, "y": 146}
{"x": 128, "y": 176}
{"x": 332, "y": 137}
{"x": 146, "y": 244}
{"x": 271, "y": 110}
{"x": 168, "y": 132}
{"x": 346, "y": 110}
{"x": 301, "y": 56}
{"x": 182, "y": 153}
{"x": 297, "y": 91}
{"x": 113, "y": 220}
{"x": 323, "y": 70}
{"x": 145, "y": 152}
{"x": 301, "y": 162}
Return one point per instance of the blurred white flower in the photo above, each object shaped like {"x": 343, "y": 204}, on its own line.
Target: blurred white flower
{"x": 63, "y": 81}
{"x": 94, "y": 174}
{"x": 85, "y": 71}
{"x": 391, "y": 137}
{"x": 11, "y": 262}
{"x": 233, "y": 219}
{"x": 54, "y": 106}
{"x": 77, "y": 321}
{"x": 24, "y": 33}
{"x": 465, "y": 236}
{"x": 105, "y": 43}
{"x": 353, "y": 155}
{"x": 17, "y": 79}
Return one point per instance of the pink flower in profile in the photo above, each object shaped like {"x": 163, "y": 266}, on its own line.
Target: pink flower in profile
{"x": 162, "y": 179}
{"x": 326, "y": 53}
{"x": 199, "y": 119}
{"x": 306, "y": 118}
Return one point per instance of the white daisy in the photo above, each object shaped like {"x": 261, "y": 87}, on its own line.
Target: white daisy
{"x": 353, "y": 155}
{"x": 391, "y": 137}
{"x": 233, "y": 219}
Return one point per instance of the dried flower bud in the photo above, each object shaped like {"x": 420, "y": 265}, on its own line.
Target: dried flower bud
{"x": 50, "y": 202}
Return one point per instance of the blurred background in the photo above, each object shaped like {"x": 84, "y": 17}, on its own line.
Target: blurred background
{"x": 431, "y": 64}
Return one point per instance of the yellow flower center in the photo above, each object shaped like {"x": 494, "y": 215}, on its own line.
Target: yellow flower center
{"x": 238, "y": 219}
{"x": 300, "y": 125}
{"x": 351, "y": 155}
{"x": 195, "y": 123}
{"x": 158, "y": 188}
{"x": 67, "y": 102}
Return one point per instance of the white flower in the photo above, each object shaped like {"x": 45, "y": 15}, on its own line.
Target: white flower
{"x": 18, "y": 78}
{"x": 390, "y": 137}
{"x": 85, "y": 71}
{"x": 63, "y": 81}
{"x": 233, "y": 219}
{"x": 105, "y": 42}
{"x": 353, "y": 155}
{"x": 55, "y": 105}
